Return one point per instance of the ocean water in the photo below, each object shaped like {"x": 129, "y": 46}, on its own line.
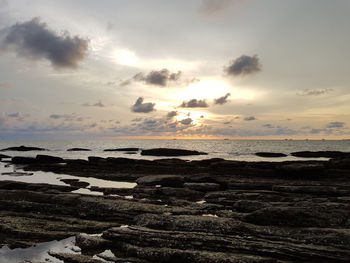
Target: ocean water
{"x": 227, "y": 149}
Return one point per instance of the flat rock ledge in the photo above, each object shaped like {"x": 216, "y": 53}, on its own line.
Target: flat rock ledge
{"x": 202, "y": 211}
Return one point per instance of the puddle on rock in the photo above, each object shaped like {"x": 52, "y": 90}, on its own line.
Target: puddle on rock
{"x": 9, "y": 172}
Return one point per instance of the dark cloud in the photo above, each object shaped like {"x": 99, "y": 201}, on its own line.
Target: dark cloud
{"x": 250, "y": 118}
{"x": 186, "y": 121}
{"x": 314, "y": 92}
{"x": 213, "y": 7}
{"x": 194, "y": 103}
{"x": 140, "y": 106}
{"x": 66, "y": 117}
{"x": 97, "y": 104}
{"x": 34, "y": 40}
{"x": 158, "y": 78}
{"x": 171, "y": 114}
{"x": 244, "y": 65}
{"x": 336, "y": 124}
{"x": 14, "y": 115}
{"x": 222, "y": 100}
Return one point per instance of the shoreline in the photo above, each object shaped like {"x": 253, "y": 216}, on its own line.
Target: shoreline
{"x": 210, "y": 210}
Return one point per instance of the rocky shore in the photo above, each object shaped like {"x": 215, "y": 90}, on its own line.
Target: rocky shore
{"x": 210, "y": 210}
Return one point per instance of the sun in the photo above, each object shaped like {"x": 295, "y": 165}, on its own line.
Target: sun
{"x": 126, "y": 57}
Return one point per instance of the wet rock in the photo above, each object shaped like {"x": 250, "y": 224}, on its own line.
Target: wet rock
{"x": 317, "y": 154}
{"x": 162, "y": 180}
{"x": 23, "y": 149}
{"x": 122, "y": 150}
{"x": 78, "y": 150}
{"x": 91, "y": 242}
{"x": 170, "y": 152}
{"x": 270, "y": 154}
{"x": 203, "y": 187}
{"x": 48, "y": 159}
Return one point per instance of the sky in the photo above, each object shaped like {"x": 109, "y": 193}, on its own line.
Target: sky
{"x": 207, "y": 69}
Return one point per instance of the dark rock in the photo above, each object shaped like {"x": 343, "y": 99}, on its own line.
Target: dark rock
{"x": 122, "y": 150}
{"x": 23, "y": 149}
{"x": 78, "y": 150}
{"x": 300, "y": 217}
{"x": 301, "y": 169}
{"x": 170, "y": 152}
{"x": 130, "y": 152}
{"x": 75, "y": 183}
{"x": 120, "y": 161}
{"x": 325, "y": 154}
{"x": 181, "y": 193}
{"x": 75, "y": 258}
{"x": 17, "y": 174}
{"x": 49, "y": 159}
{"x": 203, "y": 187}
{"x": 270, "y": 154}
{"x": 3, "y": 156}
{"x": 23, "y": 160}
{"x": 76, "y": 162}
{"x": 96, "y": 160}
{"x": 163, "y": 180}
{"x": 90, "y": 242}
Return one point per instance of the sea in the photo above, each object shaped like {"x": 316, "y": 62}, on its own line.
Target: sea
{"x": 243, "y": 150}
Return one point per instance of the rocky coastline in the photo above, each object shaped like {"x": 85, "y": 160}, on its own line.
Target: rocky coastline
{"x": 209, "y": 210}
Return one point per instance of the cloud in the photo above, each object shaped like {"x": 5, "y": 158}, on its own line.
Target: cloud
{"x": 34, "y": 40}
{"x": 194, "y": 103}
{"x": 18, "y": 116}
{"x": 157, "y": 78}
{"x": 139, "y": 106}
{"x": 244, "y": 65}
{"x": 314, "y": 92}
{"x": 268, "y": 125}
{"x": 213, "y": 7}
{"x": 222, "y": 100}
{"x": 250, "y": 118}
{"x": 97, "y": 104}
{"x": 171, "y": 114}
{"x": 5, "y": 85}
{"x": 186, "y": 121}
{"x": 336, "y": 124}
{"x": 14, "y": 115}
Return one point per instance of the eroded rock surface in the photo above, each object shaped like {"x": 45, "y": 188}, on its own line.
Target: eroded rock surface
{"x": 189, "y": 211}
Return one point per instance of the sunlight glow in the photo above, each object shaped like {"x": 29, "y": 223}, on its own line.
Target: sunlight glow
{"x": 126, "y": 57}
{"x": 212, "y": 88}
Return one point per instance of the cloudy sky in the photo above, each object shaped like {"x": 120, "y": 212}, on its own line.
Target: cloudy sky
{"x": 184, "y": 69}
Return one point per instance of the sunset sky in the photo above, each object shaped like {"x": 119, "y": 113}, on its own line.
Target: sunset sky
{"x": 240, "y": 69}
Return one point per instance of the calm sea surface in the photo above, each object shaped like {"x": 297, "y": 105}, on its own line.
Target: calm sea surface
{"x": 227, "y": 149}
